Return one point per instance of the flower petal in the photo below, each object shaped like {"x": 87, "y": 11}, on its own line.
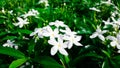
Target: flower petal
{"x": 77, "y": 43}
{"x": 54, "y": 50}
{"x": 70, "y": 44}
{"x": 78, "y": 38}
{"x": 101, "y": 37}
{"x": 52, "y": 41}
{"x": 63, "y": 51}
{"x": 111, "y": 38}
{"x": 118, "y": 46}
{"x": 113, "y": 43}
{"x": 94, "y": 35}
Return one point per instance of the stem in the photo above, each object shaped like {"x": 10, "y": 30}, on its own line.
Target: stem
{"x": 62, "y": 63}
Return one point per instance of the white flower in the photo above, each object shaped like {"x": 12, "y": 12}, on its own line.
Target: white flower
{"x": 58, "y": 46}
{"x": 107, "y": 22}
{"x": 117, "y": 22}
{"x": 10, "y": 44}
{"x": 95, "y": 9}
{"x": 68, "y": 31}
{"x": 58, "y": 23}
{"x": 99, "y": 33}
{"x": 51, "y": 33}
{"x": 21, "y": 22}
{"x": 38, "y": 31}
{"x": 71, "y": 38}
{"x": 115, "y": 41}
{"x": 44, "y": 1}
{"x": 32, "y": 12}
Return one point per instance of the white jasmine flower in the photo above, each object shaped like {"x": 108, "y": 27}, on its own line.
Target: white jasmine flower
{"x": 58, "y": 23}
{"x": 115, "y": 41}
{"x": 51, "y": 33}
{"x": 10, "y": 44}
{"x": 32, "y": 12}
{"x": 44, "y": 1}
{"x": 38, "y": 31}
{"x": 117, "y": 22}
{"x": 58, "y": 46}
{"x": 99, "y": 33}
{"x": 95, "y": 9}
{"x": 21, "y": 22}
{"x": 71, "y": 38}
{"x": 107, "y": 23}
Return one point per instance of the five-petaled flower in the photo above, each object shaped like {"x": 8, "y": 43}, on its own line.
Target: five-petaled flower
{"x": 58, "y": 45}
{"x": 71, "y": 38}
{"x": 50, "y": 32}
{"x": 21, "y": 22}
{"x": 99, "y": 33}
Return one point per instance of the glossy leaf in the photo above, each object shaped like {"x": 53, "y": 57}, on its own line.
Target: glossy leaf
{"x": 11, "y": 52}
{"x": 47, "y": 61}
{"x": 17, "y": 63}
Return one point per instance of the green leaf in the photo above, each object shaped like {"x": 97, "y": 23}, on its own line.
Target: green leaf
{"x": 116, "y": 58}
{"x": 81, "y": 57}
{"x": 114, "y": 64}
{"x": 106, "y": 64}
{"x": 106, "y": 53}
{"x": 11, "y": 52}
{"x": 24, "y": 31}
{"x": 3, "y": 33}
{"x": 17, "y": 63}
{"x": 9, "y": 37}
{"x": 84, "y": 31}
{"x": 47, "y": 61}
{"x": 31, "y": 46}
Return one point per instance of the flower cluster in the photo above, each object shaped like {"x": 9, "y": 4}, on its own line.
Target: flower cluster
{"x": 23, "y": 21}
{"x": 114, "y": 21}
{"x": 60, "y": 38}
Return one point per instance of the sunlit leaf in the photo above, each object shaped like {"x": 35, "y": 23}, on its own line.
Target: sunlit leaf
{"x": 17, "y": 63}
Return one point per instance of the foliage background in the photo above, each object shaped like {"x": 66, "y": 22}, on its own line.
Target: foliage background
{"x": 76, "y": 14}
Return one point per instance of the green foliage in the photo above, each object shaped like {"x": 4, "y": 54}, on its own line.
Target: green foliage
{"x": 17, "y": 63}
{"x": 77, "y": 15}
{"x": 11, "y": 52}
